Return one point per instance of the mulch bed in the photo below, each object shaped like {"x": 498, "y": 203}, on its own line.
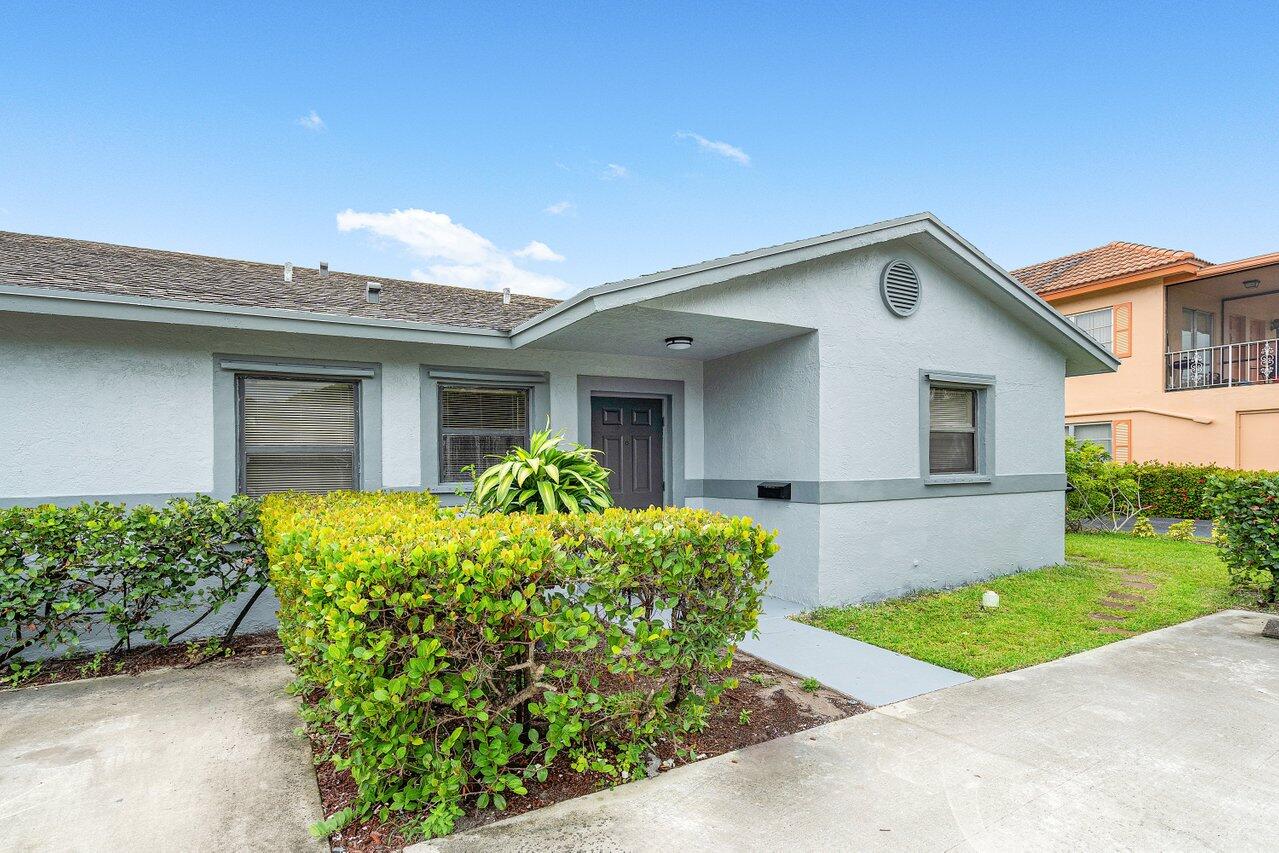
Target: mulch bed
{"x": 777, "y": 705}
{"x": 147, "y": 658}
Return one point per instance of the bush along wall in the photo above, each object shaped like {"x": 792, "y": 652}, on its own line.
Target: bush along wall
{"x": 1245, "y": 510}
{"x": 68, "y": 571}
{"x": 1177, "y": 491}
{"x": 458, "y": 656}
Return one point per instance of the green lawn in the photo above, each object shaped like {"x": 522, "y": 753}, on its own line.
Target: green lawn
{"x": 1044, "y": 614}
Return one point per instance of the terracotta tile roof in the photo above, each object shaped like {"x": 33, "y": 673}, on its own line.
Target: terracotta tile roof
{"x": 1109, "y": 261}
{"x": 65, "y": 264}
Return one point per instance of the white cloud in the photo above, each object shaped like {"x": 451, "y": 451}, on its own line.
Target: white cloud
{"x": 723, "y": 149}
{"x": 559, "y": 208}
{"x": 614, "y": 171}
{"x": 456, "y": 254}
{"x": 312, "y": 121}
{"x": 536, "y": 250}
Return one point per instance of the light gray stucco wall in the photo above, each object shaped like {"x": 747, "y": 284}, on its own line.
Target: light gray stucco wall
{"x": 868, "y": 436}
{"x": 121, "y": 410}
{"x": 793, "y": 571}
{"x": 882, "y": 549}
{"x": 761, "y": 412}
{"x": 761, "y": 408}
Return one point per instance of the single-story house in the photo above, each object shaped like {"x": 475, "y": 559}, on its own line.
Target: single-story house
{"x": 887, "y": 397}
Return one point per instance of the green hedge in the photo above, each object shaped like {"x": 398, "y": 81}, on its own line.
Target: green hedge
{"x": 66, "y": 571}
{"x": 1246, "y": 512}
{"x": 1177, "y": 491}
{"x": 457, "y": 656}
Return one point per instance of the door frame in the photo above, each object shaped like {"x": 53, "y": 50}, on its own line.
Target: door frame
{"x": 671, "y": 395}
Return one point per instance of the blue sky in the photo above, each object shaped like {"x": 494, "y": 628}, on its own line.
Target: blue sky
{"x": 512, "y": 136}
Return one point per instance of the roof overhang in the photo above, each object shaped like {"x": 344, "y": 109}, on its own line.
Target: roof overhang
{"x": 181, "y": 312}
{"x": 550, "y": 328}
{"x": 1169, "y": 274}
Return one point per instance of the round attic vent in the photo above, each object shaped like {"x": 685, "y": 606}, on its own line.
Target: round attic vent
{"x": 899, "y": 286}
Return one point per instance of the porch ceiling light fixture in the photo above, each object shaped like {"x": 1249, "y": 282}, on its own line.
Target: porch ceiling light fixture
{"x": 679, "y": 342}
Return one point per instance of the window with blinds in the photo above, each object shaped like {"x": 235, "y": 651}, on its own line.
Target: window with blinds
{"x": 1099, "y": 433}
{"x": 297, "y": 435}
{"x": 478, "y": 422}
{"x": 1098, "y": 325}
{"x": 952, "y": 430}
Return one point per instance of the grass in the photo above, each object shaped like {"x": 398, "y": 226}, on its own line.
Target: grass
{"x": 1044, "y": 614}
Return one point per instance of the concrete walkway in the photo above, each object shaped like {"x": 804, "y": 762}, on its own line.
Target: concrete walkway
{"x": 174, "y": 760}
{"x": 873, "y": 675}
{"x": 1164, "y": 741}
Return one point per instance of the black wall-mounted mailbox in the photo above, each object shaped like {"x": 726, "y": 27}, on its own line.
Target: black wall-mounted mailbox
{"x": 774, "y": 491}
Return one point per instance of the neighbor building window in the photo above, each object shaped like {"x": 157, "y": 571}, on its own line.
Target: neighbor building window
{"x": 1098, "y": 325}
{"x": 952, "y": 430}
{"x": 297, "y": 434}
{"x": 1196, "y": 328}
{"x": 1095, "y": 433}
{"x": 478, "y": 422}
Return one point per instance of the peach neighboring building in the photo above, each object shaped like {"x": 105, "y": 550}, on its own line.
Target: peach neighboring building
{"x": 1199, "y": 373}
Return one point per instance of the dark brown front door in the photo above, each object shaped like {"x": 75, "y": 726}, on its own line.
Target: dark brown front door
{"x": 629, "y": 432}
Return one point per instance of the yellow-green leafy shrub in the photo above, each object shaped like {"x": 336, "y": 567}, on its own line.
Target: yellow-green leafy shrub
{"x": 1143, "y": 529}
{"x": 459, "y": 655}
{"x": 1182, "y": 530}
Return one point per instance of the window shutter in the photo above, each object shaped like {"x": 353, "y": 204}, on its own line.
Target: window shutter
{"x": 1122, "y": 441}
{"x": 297, "y": 435}
{"x": 1123, "y": 330}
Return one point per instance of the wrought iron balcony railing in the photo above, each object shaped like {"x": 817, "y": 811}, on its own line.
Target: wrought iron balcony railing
{"x": 1224, "y": 366}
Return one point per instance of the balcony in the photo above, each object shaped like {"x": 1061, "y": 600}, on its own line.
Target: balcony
{"x": 1224, "y": 366}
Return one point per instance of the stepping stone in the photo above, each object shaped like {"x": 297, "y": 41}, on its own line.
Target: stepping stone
{"x": 1117, "y": 631}
{"x": 1130, "y": 597}
{"x": 1135, "y": 578}
{"x": 1118, "y": 605}
{"x": 1106, "y": 617}
{"x": 1141, "y": 585}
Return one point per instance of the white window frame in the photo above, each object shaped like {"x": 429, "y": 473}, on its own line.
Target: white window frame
{"x": 1110, "y": 451}
{"x": 1109, "y": 310}
{"x": 1195, "y": 314}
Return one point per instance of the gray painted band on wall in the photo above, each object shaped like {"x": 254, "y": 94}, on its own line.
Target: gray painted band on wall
{"x": 864, "y": 491}
{"x": 150, "y": 499}
{"x": 803, "y": 491}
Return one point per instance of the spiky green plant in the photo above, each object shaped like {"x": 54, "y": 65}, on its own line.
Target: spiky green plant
{"x": 543, "y": 478}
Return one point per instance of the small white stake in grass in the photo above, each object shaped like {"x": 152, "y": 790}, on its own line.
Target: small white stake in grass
{"x": 990, "y": 599}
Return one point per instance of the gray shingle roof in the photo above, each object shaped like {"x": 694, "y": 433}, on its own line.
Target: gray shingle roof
{"x": 66, "y": 264}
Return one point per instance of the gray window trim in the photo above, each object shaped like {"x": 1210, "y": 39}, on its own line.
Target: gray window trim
{"x": 984, "y": 385}
{"x": 434, "y": 376}
{"x": 226, "y": 416}
{"x": 241, "y": 454}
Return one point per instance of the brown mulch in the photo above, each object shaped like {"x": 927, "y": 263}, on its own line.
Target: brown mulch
{"x": 777, "y": 705}
{"x": 147, "y": 658}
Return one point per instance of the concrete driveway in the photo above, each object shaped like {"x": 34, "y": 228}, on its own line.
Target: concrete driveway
{"x": 202, "y": 759}
{"x": 1165, "y": 741}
